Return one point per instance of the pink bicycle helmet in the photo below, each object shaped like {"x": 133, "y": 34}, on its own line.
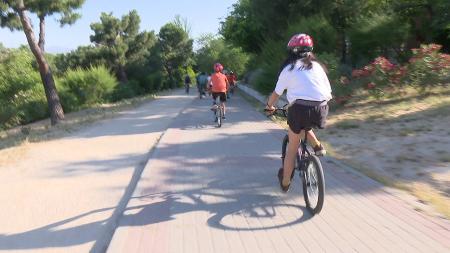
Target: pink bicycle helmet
{"x": 301, "y": 43}
{"x": 218, "y": 67}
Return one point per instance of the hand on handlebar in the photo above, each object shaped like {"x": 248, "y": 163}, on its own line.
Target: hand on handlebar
{"x": 270, "y": 110}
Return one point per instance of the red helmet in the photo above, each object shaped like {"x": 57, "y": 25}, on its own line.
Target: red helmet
{"x": 218, "y": 67}
{"x": 301, "y": 43}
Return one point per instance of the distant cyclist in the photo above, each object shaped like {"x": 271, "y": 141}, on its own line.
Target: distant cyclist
{"x": 218, "y": 85}
{"x": 308, "y": 92}
{"x": 231, "y": 77}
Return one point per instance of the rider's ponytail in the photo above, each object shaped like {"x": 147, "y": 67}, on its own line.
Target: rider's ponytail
{"x": 306, "y": 57}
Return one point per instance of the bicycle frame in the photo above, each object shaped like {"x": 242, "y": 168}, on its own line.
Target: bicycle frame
{"x": 311, "y": 173}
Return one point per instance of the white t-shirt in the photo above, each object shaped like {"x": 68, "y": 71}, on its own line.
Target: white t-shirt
{"x": 312, "y": 84}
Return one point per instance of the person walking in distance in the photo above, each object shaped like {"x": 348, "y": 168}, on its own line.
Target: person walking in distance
{"x": 187, "y": 83}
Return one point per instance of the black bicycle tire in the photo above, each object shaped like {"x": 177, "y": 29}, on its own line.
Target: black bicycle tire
{"x": 284, "y": 148}
{"x": 219, "y": 118}
{"x": 321, "y": 185}
{"x": 283, "y": 154}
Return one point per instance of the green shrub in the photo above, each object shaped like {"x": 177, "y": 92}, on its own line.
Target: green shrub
{"x": 82, "y": 57}
{"x": 153, "y": 82}
{"x": 374, "y": 35}
{"x": 340, "y": 84}
{"x": 428, "y": 66}
{"x": 87, "y": 87}
{"x": 126, "y": 90}
{"x": 271, "y": 59}
{"x": 22, "y": 96}
{"x": 189, "y": 71}
{"x": 332, "y": 66}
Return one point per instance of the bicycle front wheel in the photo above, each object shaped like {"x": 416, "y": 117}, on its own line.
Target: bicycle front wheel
{"x": 313, "y": 184}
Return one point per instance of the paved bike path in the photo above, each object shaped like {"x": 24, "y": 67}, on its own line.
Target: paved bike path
{"x": 65, "y": 195}
{"x": 208, "y": 189}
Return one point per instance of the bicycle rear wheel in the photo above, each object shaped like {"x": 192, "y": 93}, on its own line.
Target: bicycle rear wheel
{"x": 219, "y": 113}
{"x": 313, "y": 184}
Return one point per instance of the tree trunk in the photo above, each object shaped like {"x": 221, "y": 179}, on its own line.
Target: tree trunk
{"x": 169, "y": 73}
{"x": 122, "y": 74}
{"x": 42, "y": 33}
{"x": 54, "y": 105}
{"x": 343, "y": 47}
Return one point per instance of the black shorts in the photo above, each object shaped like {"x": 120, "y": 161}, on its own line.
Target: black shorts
{"x": 301, "y": 116}
{"x": 221, "y": 95}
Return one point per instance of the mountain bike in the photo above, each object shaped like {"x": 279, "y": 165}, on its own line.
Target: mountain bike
{"x": 218, "y": 112}
{"x": 310, "y": 171}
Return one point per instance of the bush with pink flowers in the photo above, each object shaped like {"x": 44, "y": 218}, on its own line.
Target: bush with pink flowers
{"x": 376, "y": 76}
{"x": 426, "y": 67}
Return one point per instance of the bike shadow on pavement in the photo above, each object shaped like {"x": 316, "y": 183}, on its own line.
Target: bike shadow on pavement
{"x": 243, "y": 205}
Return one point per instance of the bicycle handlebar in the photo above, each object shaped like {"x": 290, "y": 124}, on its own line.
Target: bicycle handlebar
{"x": 275, "y": 110}
{"x": 278, "y": 109}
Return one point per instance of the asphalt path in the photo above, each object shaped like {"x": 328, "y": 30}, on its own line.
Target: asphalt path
{"x": 66, "y": 195}
{"x": 209, "y": 189}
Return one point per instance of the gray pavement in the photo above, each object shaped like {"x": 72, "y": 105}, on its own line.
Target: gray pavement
{"x": 207, "y": 189}
{"x": 65, "y": 195}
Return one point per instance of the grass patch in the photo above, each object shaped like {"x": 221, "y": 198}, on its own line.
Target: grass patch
{"x": 403, "y": 158}
{"x": 430, "y": 195}
{"x": 347, "y": 124}
{"x": 253, "y": 101}
{"x": 371, "y": 173}
{"x": 445, "y": 158}
{"x": 410, "y": 108}
{"x": 407, "y": 132}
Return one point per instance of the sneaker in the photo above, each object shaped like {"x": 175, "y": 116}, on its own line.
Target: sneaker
{"x": 214, "y": 107}
{"x": 280, "y": 179}
{"x": 223, "y": 117}
{"x": 319, "y": 150}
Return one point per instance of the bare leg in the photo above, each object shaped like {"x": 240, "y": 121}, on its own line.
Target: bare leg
{"x": 312, "y": 139}
{"x": 223, "y": 104}
{"x": 289, "y": 160}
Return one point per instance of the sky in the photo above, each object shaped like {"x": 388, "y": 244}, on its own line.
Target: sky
{"x": 203, "y": 16}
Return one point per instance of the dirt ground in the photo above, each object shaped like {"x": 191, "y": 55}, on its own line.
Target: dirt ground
{"x": 403, "y": 141}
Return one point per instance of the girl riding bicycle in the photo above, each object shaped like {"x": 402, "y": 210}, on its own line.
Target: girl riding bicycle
{"x": 218, "y": 84}
{"x": 308, "y": 91}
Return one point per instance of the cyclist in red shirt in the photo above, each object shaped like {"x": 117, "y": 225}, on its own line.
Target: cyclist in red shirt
{"x": 231, "y": 77}
{"x": 219, "y": 86}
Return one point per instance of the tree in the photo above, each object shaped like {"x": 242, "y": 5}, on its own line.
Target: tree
{"x": 182, "y": 23}
{"x": 175, "y": 51}
{"x": 208, "y": 53}
{"x": 82, "y": 57}
{"x": 215, "y": 49}
{"x": 429, "y": 21}
{"x": 14, "y": 15}
{"x": 253, "y": 22}
{"x": 120, "y": 40}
